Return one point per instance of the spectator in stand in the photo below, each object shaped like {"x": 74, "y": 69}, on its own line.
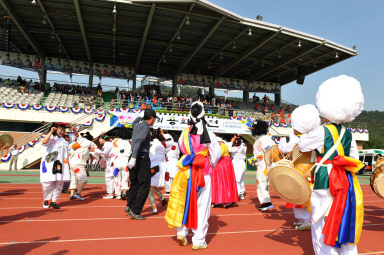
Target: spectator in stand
{"x": 222, "y": 110}
{"x": 230, "y": 110}
{"x": 254, "y": 98}
{"x": 19, "y": 80}
{"x": 264, "y": 110}
{"x": 59, "y": 66}
{"x": 287, "y": 109}
{"x": 17, "y": 62}
{"x": 7, "y": 61}
{"x": 28, "y": 62}
{"x": 281, "y": 111}
{"x": 67, "y": 67}
{"x": 8, "y": 82}
{"x": 99, "y": 90}
{"x": 37, "y": 63}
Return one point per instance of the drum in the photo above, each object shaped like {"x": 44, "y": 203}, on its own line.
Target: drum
{"x": 377, "y": 181}
{"x": 289, "y": 182}
{"x": 272, "y": 155}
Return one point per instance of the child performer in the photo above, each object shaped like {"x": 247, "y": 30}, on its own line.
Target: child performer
{"x": 120, "y": 153}
{"x": 303, "y": 119}
{"x": 157, "y": 153}
{"x": 171, "y": 160}
{"x": 238, "y": 151}
{"x": 263, "y": 142}
{"x": 54, "y": 168}
{"x": 336, "y": 201}
{"x": 105, "y": 153}
{"x": 78, "y": 157}
{"x": 223, "y": 179}
{"x": 190, "y": 199}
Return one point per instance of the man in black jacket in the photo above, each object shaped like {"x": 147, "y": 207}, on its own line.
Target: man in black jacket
{"x": 140, "y": 164}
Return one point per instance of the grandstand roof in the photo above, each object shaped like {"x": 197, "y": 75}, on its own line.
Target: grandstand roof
{"x": 164, "y": 37}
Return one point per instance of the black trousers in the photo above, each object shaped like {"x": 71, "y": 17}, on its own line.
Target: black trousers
{"x": 140, "y": 177}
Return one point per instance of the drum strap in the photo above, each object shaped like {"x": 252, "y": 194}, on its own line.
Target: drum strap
{"x": 329, "y": 153}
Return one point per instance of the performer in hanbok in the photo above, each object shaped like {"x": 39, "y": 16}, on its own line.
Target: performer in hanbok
{"x": 54, "y": 167}
{"x": 157, "y": 153}
{"x": 303, "y": 119}
{"x": 223, "y": 180}
{"x": 105, "y": 153}
{"x": 78, "y": 157}
{"x": 171, "y": 159}
{"x": 238, "y": 150}
{"x": 336, "y": 200}
{"x": 190, "y": 199}
{"x": 262, "y": 143}
{"x": 120, "y": 153}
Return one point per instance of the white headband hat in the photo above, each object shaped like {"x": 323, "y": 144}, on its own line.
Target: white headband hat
{"x": 199, "y": 124}
{"x": 305, "y": 118}
{"x": 340, "y": 99}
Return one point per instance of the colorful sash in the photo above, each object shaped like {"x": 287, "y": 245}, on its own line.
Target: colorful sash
{"x": 345, "y": 219}
{"x": 182, "y": 205}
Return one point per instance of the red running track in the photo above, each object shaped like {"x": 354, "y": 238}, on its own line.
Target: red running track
{"x": 98, "y": 226}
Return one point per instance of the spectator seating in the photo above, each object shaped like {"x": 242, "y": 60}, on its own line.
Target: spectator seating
{"x": 13, "y": 95}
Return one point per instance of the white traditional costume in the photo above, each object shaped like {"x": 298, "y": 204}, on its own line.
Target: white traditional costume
{"x": 78, "y": 157}
{"x": 262, "y": 143}
{"x": 157, "y": 153}
{"x": 303, "y": 119}
{"x": 120, "y": 153}
{"x": 54, "y": 168}
{"x": 171, "y": 160}
{"x": 105, "y": 153}
{"x": 238, "y": 154}
{"x": 336, "y": 200}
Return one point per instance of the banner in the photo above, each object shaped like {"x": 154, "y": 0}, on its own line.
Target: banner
{"x": 32, "y": 62}
{"x": 180, "y": 122}
{"x": 227, "y": 83}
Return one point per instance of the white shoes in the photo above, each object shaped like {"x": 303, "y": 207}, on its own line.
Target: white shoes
{"x": 304, "y": 226}
{"x": 118, "y": 197}
{"x": 79, "y": 197}
{"x": 154, "y": 211}
{"x": 241, "y": 197}
{"x": 108, "y": 197}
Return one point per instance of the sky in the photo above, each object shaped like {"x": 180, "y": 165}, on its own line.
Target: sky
{"x": 347, "y": 22}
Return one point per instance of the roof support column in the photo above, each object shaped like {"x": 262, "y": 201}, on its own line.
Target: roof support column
{"x": 134, "y": 82}
{"x": 42, "y": 72}
{"x": 278, "y": 99}
{"x": 174, "y": 85}
{"x": 245, "y": 96}
{"x": 90, "y": 82}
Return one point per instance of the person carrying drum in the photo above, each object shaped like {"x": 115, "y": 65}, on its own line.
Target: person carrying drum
{"x": 336, "y": 200}
{"x": 263, "y": 142}
{"x": 303, "y": 119}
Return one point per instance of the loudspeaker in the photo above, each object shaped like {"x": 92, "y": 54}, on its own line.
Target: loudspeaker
{"x": 300, "y": 75}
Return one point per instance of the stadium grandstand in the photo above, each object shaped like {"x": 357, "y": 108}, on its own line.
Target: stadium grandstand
{"x": 180, "y": 51}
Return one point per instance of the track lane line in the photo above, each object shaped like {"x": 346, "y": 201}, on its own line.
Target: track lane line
{"x": 156, "y": 236}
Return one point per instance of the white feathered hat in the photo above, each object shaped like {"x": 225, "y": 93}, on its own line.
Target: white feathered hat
{"x": 305, "y": 118}
{"x": 340, "y": 99}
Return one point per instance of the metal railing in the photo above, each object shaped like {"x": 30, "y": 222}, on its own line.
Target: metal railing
{"x": 37, "y": 133}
